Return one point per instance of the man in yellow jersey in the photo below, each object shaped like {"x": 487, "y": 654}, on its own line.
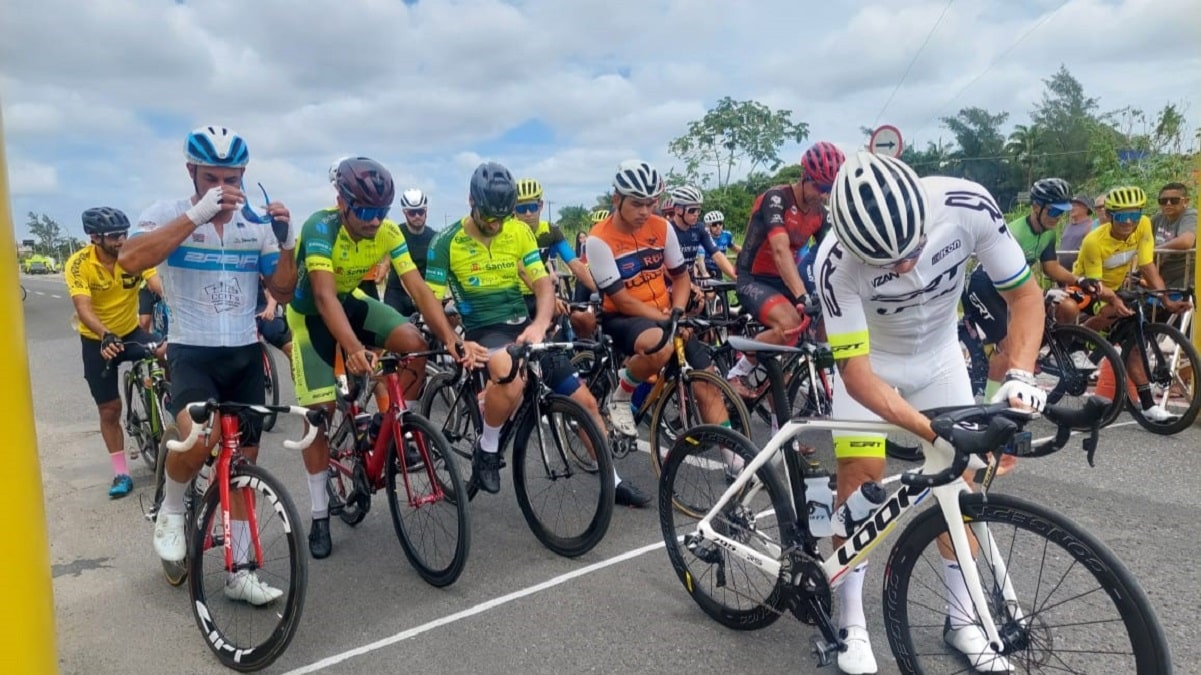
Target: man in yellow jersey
{"x": 335, "y": 247}
{"x": 106, "y": 301}
{"x": 1107, "y": 253}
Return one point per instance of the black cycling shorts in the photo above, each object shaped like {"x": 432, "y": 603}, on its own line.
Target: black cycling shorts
{"x": 760, "y": 293}
{"x": 275, "y": 331}
{"x": 227, "y": 374}
{"x": 625, "y": 331}
{"x": 146, "y": 300}
{"x": 984, "y": 306}
{"x": 556, "y": 366}
{"x": 102, "y": 381}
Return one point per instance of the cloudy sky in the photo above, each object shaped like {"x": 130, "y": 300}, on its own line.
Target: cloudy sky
{"x": 98, "y": 94}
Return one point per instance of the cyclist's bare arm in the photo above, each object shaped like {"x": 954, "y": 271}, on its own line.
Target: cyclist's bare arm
{"x": 544, "y": 299}
{"x": 785, "y": 264}
{"x": 150, "y": 249}
{"x": 582, "y": 275}
{"x": 878, "y": 396}
{"x": 723, "y": 264}
{"x": 325, "y": 296}
{"x": 1027, "y": 317}
{"x": 1058, "y": 273}
{"x": 1151, "y": 276}
{"x": 155, "y": 285}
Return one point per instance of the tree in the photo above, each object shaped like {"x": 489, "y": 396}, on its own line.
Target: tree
{"x": 981, "y": 153}
{"x": 934, "y": 160}
{"x": 1169, "y": 130}
{"x": 1022, "y": 147}
{"x": 732, "y": 132}
{"x": 574, "y": 219}
{"x": 1068, "y": 120}
{"x": 46, "y": 230}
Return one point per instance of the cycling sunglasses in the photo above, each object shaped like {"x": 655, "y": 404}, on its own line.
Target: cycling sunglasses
{"x": 1125, "y": 217}
{"x": 120, "y": 234}
{"x": 523, "y": 209}
{"x": 1164, "y": 201}
{"x": 370, "y": 213}
{"x": 415, "y": 212}
{"x": 1055, "y": 211}
{"x": 692, "y": 210}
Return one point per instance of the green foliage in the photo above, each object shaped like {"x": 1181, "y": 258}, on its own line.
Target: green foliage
{"x": 573, "y": 219}
{"x": 734, "y": 131}
{"x": 46, "y": 230}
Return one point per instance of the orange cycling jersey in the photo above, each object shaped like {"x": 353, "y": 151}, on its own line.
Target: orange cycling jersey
{"x": 635, "y": 261}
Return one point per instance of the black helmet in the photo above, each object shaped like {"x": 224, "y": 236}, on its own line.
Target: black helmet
{"x": 493, "y": 190}
{"x": 104, "y": 220}
{"x": 1050, "y": 191}
{"x": 364, "y": 182}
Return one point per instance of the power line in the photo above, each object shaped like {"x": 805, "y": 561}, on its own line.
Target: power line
{"x": 912, "y": 61}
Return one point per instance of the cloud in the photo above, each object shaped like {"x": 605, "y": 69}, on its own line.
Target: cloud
{"x": 430, "y": 88}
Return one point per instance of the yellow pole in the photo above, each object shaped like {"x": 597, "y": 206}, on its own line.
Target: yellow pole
{"x": 26, "y": 594}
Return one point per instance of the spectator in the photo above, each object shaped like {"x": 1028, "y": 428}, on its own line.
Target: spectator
{"x": 1175, "y": 228}
{"x": 1080, "y": 224}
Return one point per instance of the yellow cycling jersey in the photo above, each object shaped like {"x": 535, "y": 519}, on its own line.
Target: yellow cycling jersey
{"x": 114, "y": 294}
{"x": 1108, "y": 259}
{"x": 485, "y": 279}
{"x": 325, "y": 246}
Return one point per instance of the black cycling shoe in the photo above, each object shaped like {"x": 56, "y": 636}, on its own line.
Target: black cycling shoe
{"x": 486, "y": 469}
{"x": 626, "y": 494}
{"x": 319, "y": 543}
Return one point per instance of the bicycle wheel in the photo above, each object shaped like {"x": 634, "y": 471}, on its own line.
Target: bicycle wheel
{"x": 567, "y": 507}
{"x": 677, "y": 410}
{"x": 270, "y": 385}
{"x": 1077, "y": 609}
{"x": 732, "y": 591}
{"x": 246, "y": 637}
{"x": 1068, "y": 364}
{"x": 456, "y": 413}
{"x": 175, "y": 572}
{"x": 1174, "y": 363}
{"x": 137, "y": 418}
{"x": 428, "y": 507}
{"x": 24, "y": 294}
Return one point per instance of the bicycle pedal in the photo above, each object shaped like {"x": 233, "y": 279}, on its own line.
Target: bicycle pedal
{"x": 823, "y": 651}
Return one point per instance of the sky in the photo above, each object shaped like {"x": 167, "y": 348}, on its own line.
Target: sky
{"x": 98, "y": 95}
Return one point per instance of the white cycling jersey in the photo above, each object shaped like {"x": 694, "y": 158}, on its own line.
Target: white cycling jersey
{"x": 872, "y": 309}
{"x": 211, "y": 283}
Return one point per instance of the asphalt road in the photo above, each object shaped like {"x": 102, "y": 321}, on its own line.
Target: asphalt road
{"x": 517, "y": 607}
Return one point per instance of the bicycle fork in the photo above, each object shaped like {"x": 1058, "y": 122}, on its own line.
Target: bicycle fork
{"x": 229, "y": 432}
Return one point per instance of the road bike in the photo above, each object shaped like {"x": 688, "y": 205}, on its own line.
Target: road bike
{"x": 243, "y": 530}
{"x": 1045, "y": 593}
{"x": 147, "y": 397}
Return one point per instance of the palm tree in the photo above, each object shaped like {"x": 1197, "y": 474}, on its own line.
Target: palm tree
{"x": 1023, "y": 141}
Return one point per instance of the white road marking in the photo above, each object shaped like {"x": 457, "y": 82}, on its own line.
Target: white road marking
{"x": 55, "y": 295}
{"x": 472, "y": 611}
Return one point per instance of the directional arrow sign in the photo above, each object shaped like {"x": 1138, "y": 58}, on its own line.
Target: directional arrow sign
{"x": 886, "y": 141}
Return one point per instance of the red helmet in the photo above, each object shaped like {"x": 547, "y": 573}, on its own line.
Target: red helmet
{"x": 821, "y": 162}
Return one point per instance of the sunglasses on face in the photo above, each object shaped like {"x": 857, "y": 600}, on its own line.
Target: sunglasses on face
{"x": 692, "y": 210}
{"x": 415, "y": 212}
{"x": 1125, "y": 217}
{"x": 370, "y": 213}
{"x": 1055, "y": 211}
{"x": 490, "y": 220}
{"x": 1164, "y": 201}
{"x": 524, "y": 209}
{"x": 823, "y": 188}
{"x": 115, "y": 235}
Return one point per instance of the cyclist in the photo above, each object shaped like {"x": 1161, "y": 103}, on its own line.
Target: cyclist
{"x": 691, "y": 234}
{"x": 106, "y": 302}
{"x": 551, "y": 242}
{"x": 1107, "y": 253}
{"x": 415, "y": 206}
{"x": 336, "y": 246}
{"x": 210, "y": 257}
{"x": 632, "y": 253}
{"x": 722, "y": 239}
{"x": 1035, "y": 232}
{"x": 890, "y": 281}
{"x": 783, "y": 219}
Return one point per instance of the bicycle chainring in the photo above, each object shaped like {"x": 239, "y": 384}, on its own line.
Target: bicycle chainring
{"x": 811, "y": 596}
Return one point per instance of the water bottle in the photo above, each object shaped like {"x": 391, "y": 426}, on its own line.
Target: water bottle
{"x": 819, "y": 501}
{"x": 857, "y": 508}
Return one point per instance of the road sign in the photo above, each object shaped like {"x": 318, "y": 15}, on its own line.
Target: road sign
{"x": 886, "y": 141}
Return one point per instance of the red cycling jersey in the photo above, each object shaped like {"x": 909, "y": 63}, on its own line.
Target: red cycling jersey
{"x": 775, "y": 211}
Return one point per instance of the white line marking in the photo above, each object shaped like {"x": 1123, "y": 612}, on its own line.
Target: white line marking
{"x": 55, "y": 295}
{"x": 472, "y": 611}
{"x": 39, "y": 292}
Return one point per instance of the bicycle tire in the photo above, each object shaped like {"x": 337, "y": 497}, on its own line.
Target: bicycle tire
{"x": 556, "y": 467}
{"x": 1163, "y": 380}
{"x": 436, "y": 453}
{"x": 137, "y": 418}
{"x": 708, "y": 581}
{"x": 1056, "y": 540}
{"x": 272, "y": 503}
{"x": 1068, "y": 339}
{"x": 174, "y": 572}
{"x": 460, "y": 426}
{"x": 663, "y": 436}
{"x": 339, "y": 486}
{"x": 24, "y": 293}
{"x": 271, "y": 383}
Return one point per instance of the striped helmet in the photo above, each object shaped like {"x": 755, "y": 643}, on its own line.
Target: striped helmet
{"x": 878, "y": 208}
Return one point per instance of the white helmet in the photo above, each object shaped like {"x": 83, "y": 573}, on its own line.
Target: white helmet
{"x": 686, "y": 195}
{"x": 635, "y": 178}
{"x": 333, "y": 169}
{"x": 413, "y": 199}
{"x": 878, "y": 208}
{"x": 714, "y": 217}
{"x": 216, "y": 146}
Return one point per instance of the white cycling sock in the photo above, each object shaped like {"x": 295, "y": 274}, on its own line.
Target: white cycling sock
{"x": 173, "y": 492}
{"x": 490, "y": 439}
{"x": 742, "y": 367}
{"x": 318, "y": 497}
{"x": 959, "y": 603}
{"x": 240, "y": 534}
{"x": 850, "y": 599}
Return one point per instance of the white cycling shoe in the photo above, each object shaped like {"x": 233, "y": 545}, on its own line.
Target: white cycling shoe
{"x": 972, "y": 643}
{"x": 622, "y": 418}
{"x": 1157, "y": 413}
{"x": 244, "y": 586}
{"x": 858, "y": 659}
{"x": 169, "y": 537}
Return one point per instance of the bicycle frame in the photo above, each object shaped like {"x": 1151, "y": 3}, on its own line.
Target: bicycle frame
{"x": 230, "y": 435}
{"x": 876, "y": 528}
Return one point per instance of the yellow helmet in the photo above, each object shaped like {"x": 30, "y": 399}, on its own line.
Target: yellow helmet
{"x": 1126, "y": 197}
{"x": 598, "y": 215}
{"x": 528, "y": 190}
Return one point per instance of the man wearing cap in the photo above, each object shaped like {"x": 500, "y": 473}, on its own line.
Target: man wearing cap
{"x": 1080, "y": 223}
